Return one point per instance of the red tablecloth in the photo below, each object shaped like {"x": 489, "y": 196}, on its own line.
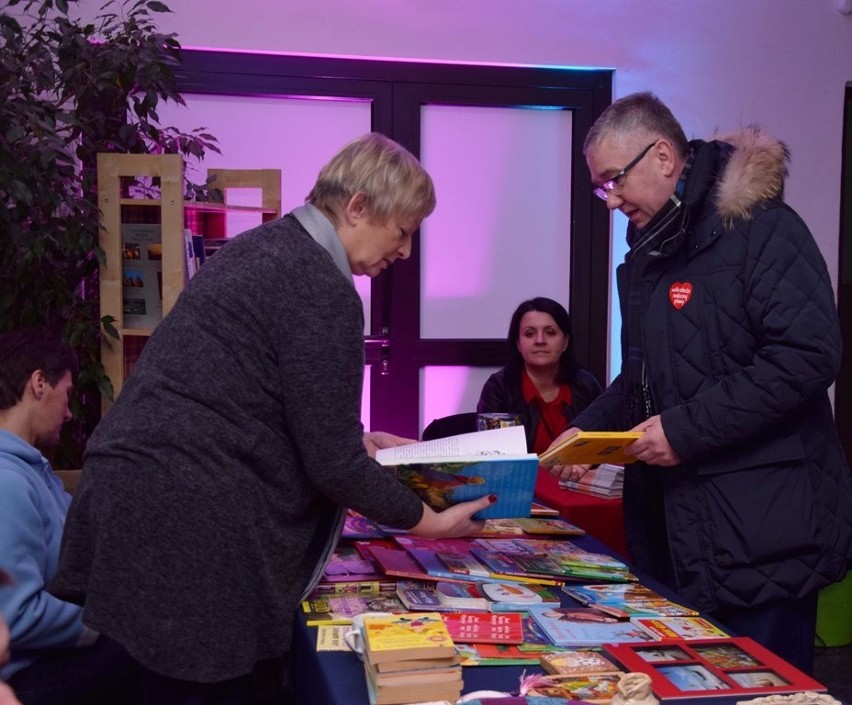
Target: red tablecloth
{"x": 602, "y": 518}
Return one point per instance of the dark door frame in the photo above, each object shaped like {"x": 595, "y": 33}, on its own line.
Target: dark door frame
{"x": 396, "y": 91}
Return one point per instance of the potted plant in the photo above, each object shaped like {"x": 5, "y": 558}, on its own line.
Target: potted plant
{"x": 68, "y": 90}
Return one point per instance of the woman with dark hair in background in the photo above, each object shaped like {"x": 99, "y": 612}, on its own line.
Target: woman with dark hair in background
{"x": 541, "y": 382}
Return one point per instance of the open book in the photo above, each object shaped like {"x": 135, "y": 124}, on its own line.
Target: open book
{"x": 592, "y": 447}
{"x": 446, "y": 471}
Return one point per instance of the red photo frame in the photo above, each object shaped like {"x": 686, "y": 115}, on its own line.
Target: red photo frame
{"x": 734, "y": 667}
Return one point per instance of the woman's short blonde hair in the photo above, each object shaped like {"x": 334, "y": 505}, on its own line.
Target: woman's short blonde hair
{"x": 394, "y": 182}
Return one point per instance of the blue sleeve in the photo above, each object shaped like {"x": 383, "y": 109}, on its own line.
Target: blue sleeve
{"x": 36, "y": 619}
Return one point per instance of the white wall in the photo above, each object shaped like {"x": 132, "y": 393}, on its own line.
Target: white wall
{"x": 719, "y": 64}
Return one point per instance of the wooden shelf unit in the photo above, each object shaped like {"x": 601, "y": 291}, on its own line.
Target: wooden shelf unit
{"x": 163, "y": 176}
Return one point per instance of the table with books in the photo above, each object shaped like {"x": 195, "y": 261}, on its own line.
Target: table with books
{"x": 516, "y": 602}
{"x": 531, "y": 605}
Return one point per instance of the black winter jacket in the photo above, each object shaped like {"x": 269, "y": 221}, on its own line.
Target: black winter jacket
{"x": 502, "y": 395}
{"x": 741, "y": 339}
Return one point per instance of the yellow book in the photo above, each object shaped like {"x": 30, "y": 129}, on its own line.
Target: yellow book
{"x": 590, "y": 448}
{"x": 403, "y": 637}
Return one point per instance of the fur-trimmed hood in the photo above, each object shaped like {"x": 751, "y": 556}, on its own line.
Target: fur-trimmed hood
{"x": 754, "y": 173}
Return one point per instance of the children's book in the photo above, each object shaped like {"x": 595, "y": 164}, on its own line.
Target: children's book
{"x": 513, "y": 597}
{"x": 485, "y": 627}
{"x": 341, "y": 609}
{"x": 348, "y": 565}
{"x": 627, "y": 600}
{"x": 585, "y": 626}
{"x": 364, "y": 588}
{"x": 400, "y": 563}
{"x": 446, "y": 471}
{"x": 591, "y": 448}
{"x": 549, "y": 526}
{"x": 577, "y": 662}
{"x": 406, "y": 637}
{"x": 679, "y": 627}
{"x": 596, "y": 688}
{"x": 357, "y": 526}
{"x": 495, "y": 655}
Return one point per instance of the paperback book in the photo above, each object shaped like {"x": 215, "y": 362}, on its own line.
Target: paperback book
{"x": 627, "y": 600}
{"x": 591, "y": 448}
{"x": 585, "y": 626}
{"x": 595, "y": 688}
{"x": 605, "y": 481}
{"x": 485, "y": 627}
{"x": 447, "y": 471}
{"x": 340, "y": 609}
{"x": 577, "y": 662}
{"x": 679, "y": 627}
{"x": 406, "y": 637}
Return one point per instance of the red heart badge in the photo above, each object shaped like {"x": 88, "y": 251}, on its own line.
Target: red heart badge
{"x": 679, "y": 294}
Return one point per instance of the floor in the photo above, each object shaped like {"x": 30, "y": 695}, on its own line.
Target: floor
{"x": 833, "y": 668}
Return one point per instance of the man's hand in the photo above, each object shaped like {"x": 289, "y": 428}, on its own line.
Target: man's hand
{"x": 452, "y": 522}
{"x": 653, "y": 448}
{"x": 572, "y": 473}
{"x": 380, "y": 439}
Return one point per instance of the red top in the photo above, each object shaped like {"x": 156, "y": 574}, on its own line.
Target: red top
{"x": 551, "y": 420}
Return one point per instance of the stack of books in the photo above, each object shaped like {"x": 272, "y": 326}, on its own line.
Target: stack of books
{"x": 606, "y": 481}
{"x": 410, "y": 658}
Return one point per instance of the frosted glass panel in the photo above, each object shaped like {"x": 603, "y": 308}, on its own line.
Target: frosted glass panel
{"x": 450, "y": 390}
{"x": 295, "y": 135}
{"x": 501, "y": 231}
{"x": 618, "y": 224}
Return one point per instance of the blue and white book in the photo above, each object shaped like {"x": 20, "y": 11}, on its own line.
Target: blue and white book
{"x": 446, "y": 471}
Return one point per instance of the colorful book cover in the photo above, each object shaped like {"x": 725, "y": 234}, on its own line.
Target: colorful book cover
{"x": 406, "y": 637}
{"x": 585, "y": 626}
{"x": 462, "y": 597}
{"x": 485, "y": 627}
{"x": 598, "y": 688}
{"x": 443, "y": 484}
{"x": 463, "y": 564}
{"x": 495, "y": 655}
{"x": 399, "y": 563}
{"x": 450, "y": 470}
{"x": 365, "y": 588}
{"x": 592, "y": 448}
{"x": 341, "y": 609}
{"x": 627, "y": 600}
{"x": 679, "y": 627}
{"x": 347, "y": 564}
{"x": 549, "y": 526}
{"x": 357, "y": 526}
{"x": 513, "y": 597}
{"x": 577, "y": 662}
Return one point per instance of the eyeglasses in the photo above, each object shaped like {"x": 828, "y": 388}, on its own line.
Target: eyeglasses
{"x": 610, "y": 184}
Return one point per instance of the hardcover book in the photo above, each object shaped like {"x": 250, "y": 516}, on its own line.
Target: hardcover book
{"x": 627, "y": 600}
{"x": 585, "y": 626}
{"x": 679, "y": 627}
{"x": 348, "y": 565}
{"x": 447, "y": 471}
{"x": 485, "y": 627}
{"x": 591, "y": 448}
{"x": 340, "y": 609}
{"x": 595, "y": 688}
{"x": 406, "y": 637}
{"x": 577, "y": 662}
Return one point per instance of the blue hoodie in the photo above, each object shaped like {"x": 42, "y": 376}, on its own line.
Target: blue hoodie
{"x": 33, "y": 505}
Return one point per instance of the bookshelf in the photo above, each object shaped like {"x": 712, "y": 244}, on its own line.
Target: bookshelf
{"x": 143, "y": 217}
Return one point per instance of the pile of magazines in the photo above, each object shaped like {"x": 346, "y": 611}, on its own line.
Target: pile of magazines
{"x": 605, "y": 481}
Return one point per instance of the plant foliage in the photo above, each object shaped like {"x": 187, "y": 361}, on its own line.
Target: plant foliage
{"x": 68, "y": 90}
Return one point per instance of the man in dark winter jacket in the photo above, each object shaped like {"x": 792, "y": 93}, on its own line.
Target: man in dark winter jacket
{"x": 741, "y": 498}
